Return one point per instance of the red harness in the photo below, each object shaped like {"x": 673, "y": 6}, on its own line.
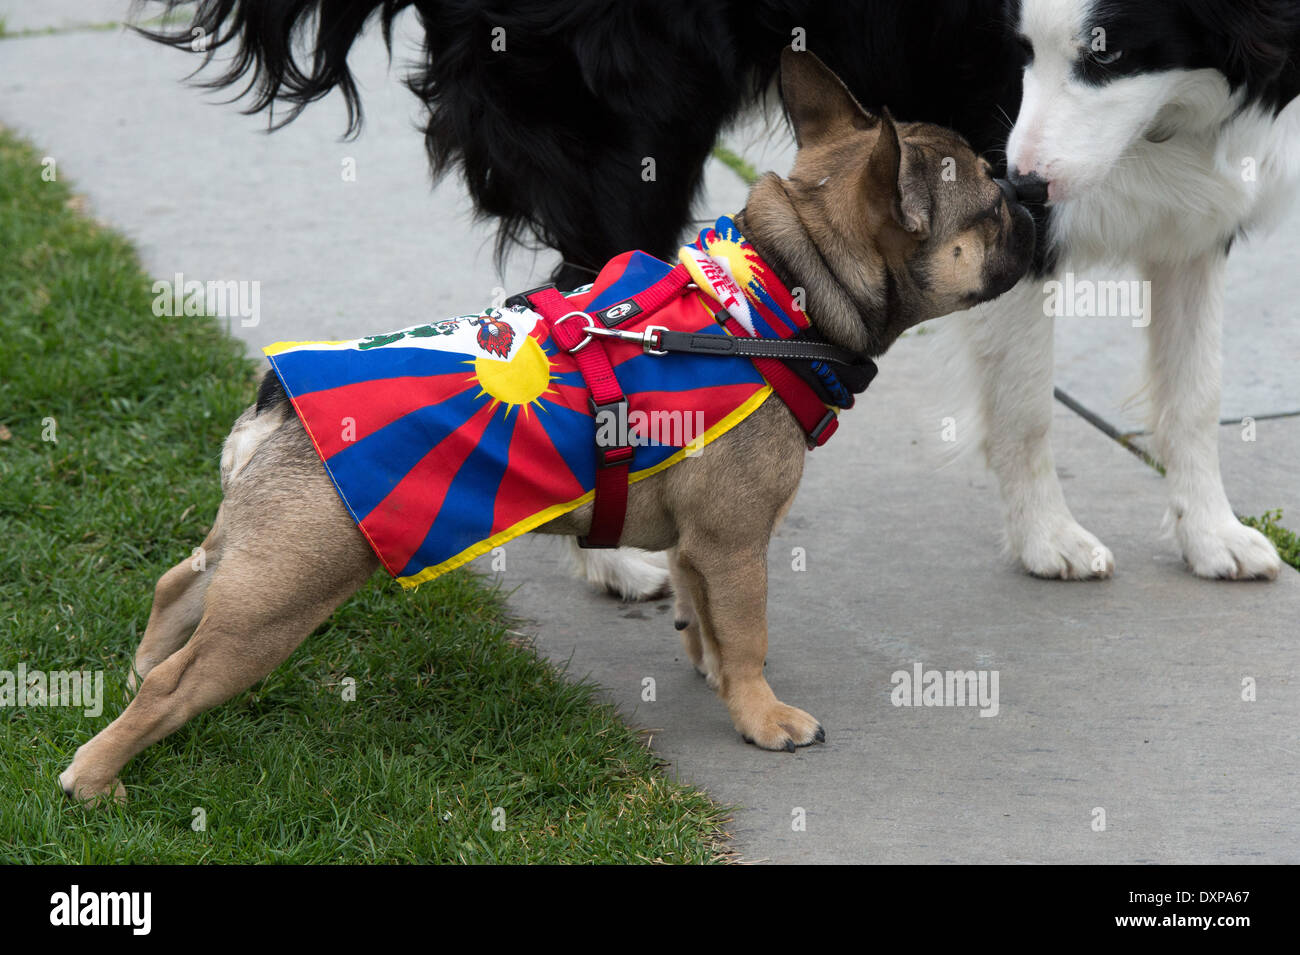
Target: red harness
{"x": 579, "y": 334}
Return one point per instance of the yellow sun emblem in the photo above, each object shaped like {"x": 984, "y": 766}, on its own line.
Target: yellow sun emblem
{"x": 516, "y": 383}
{"x": 746, "y": 267}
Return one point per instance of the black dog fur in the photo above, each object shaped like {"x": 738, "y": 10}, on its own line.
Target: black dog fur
{"x": 550, "y": 135}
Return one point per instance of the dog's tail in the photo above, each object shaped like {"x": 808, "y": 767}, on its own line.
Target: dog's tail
{"x": 264, "y": 36}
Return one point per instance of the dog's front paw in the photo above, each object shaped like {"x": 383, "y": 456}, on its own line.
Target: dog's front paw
{"x": 1062, "y": 549}
{"x": 779, "y": 727}
{"x": 1227, "y": 550}
{"x": 79, "y": 787}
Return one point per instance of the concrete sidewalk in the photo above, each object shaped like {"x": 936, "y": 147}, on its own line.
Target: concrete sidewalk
{"x": 1124, "y": 696}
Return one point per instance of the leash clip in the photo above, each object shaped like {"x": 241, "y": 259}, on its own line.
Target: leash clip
{"x": 654, "y": 339}
{"x": 649, "y": 339}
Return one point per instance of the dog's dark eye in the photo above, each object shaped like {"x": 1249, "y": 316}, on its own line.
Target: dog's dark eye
{"x": 1100, "y": 66}
{"x": 1026, "y": 46}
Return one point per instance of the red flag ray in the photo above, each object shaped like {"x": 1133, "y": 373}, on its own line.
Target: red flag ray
{"x": 394, "y": 531}
{"x": 373, "y": 405}
{"x": 537, "y": 476}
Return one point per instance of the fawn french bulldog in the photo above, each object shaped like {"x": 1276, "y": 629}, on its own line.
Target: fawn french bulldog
{"x": 880, "y": 226}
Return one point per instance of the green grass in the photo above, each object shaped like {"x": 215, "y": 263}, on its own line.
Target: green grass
{"x": 451, "y": 718}
{"x": 168, "y": 19}
{"x": 1287, "y": 542}
{"x": 6, "y": 34}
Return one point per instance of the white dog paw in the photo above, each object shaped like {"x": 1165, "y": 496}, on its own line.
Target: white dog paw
{"x": 627, "y": 572}
{"x": 1228, "y": 550}
{"x": 1064, "y": 550}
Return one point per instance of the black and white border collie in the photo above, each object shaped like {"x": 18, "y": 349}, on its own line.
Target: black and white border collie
{"x": 1135, "y": 121}
{"x": 1163, "y": 130}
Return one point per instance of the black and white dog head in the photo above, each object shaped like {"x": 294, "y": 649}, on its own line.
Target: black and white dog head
{"x": 1102, "y": 75}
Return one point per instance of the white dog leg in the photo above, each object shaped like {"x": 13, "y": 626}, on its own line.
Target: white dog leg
{"x": 1184, "y": 360}
{"x": 1009, "y": 343}
{"x": 625, "y": 572}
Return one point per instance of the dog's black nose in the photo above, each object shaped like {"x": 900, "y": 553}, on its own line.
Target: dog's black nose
{"x": 1008, "y": 190}
{"x": 1030, "y": 188}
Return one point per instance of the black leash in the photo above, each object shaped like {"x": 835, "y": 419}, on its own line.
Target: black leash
{"x": 783, "y": 348}
{"x": 657, "y": 340}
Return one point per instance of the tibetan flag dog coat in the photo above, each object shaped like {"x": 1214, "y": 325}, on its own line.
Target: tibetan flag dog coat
{"x": 448, "y": 439}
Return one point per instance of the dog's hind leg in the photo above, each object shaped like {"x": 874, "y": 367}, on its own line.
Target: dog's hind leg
{"x": 701, "y": 648}
{"x": 178, "y": 596}
{"x": 289, "y": 555}
{"x": 1009, "y": 344}
{"x": 177, "y": 606}
{"x": 1184, "y": 359}
{"x": 257, "y": 610}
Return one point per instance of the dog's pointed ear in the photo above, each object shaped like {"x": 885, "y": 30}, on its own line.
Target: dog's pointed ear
{"x": 818, "y": 103}
{"x": 890, "y": 183}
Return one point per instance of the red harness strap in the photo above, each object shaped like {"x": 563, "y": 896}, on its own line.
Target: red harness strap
{"x": 609, "y": 505}
{"x": 818, "y": 421}
{"x": 656, "y": 296}
{"x": 568, "y": 327}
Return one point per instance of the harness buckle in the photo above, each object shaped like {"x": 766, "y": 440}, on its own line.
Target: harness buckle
{"x": 611, "y": 456}
{"x": 815, "y": 436}
{"x": 521, "y": 299}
